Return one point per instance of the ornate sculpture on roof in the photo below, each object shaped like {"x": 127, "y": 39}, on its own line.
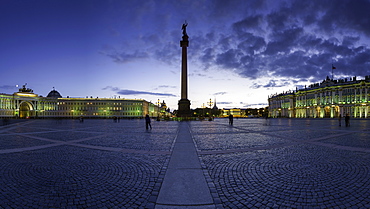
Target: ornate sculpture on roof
{"x": 24, "y": 89}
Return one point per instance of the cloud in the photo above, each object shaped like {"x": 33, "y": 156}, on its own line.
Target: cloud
{"x": 124, "y": 57}
{"x": 353, "y": 15}
{"x": 256, "y": 105}
{"x": 292, "y": 39}
{"x": 222, "y": 103}
{"x": 167, "y": 53}
{"x": 8, "y": 87}
{"x": 273, "y": 83}
{"x": 197, "y": 74}
{"x": 230, "y": 59}
{"x": 297, "y": 39}
{"x": 111, "y": 88}
{"x": 249, "y": 24}
{"x": 135, "y": 92}
{"x": 220, "y": 93}
{"x": 167, "y": 86}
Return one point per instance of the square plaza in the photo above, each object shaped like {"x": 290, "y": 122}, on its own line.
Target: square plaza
{"x": 256, "y": 163}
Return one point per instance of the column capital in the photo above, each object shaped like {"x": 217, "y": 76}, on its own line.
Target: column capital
{"x": 184, "y": 43}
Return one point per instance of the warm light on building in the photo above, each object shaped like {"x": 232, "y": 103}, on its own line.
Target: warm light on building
{"x": 328, "y": 99}
{"x": 26, "y": 95}
{"x": 26, "y": 104}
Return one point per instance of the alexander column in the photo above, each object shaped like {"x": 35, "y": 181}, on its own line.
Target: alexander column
{"x": 184, "y": 103}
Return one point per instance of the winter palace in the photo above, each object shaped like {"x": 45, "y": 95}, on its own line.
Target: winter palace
{"x": 328, "y": 99}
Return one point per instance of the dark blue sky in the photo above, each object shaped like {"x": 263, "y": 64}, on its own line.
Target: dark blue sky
{"x": 240, "y": 50}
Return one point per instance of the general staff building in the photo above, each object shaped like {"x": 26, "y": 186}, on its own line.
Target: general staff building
{"x": 26, "y": 104}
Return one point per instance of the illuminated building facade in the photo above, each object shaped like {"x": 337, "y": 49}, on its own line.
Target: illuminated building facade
{"x": 328, "y": 99}
{"x": 26, "y": 104}
{"x": 245, "y": 113}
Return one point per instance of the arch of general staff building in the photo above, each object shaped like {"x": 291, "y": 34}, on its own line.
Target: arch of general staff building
{"x": 26, "y": 104}
{"x": 328, "y": 99}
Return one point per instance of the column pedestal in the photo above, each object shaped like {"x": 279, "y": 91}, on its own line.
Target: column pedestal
{"x": 184, "y": 108}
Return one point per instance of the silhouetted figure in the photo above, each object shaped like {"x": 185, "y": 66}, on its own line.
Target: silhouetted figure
{"x": 184, "y": 28}
{"x": 346, "y": 120}
{"x": 147, "y": 122}
{"x": 231, "y": 119}
{"x": 81, "y": 119}
{"x": 340, "y": 119}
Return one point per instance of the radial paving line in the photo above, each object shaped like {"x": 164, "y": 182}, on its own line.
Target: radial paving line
{"x": 184, "y": 184}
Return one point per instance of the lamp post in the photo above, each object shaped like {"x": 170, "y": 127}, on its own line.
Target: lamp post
{"x": 210, "y": 103}
{"x": 158, "y": 103}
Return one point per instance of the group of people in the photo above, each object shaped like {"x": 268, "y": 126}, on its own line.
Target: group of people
{"x": 231, "y": 120}
{"x": 346, "y": 120}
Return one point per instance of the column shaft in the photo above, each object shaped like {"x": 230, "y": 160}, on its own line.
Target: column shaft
{"x": 184, "y": 74}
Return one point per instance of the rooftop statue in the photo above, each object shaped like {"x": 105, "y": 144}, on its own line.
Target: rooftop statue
{"x": 24, "y": 89}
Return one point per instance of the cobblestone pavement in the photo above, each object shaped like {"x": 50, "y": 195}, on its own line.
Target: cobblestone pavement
{"x": 287, "y": 163}
{"x": 95, "y": 164}
{"x": 257, "y": 163}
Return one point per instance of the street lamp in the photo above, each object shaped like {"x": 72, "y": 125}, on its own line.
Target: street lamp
{"x": 158, "y": 103}
{"x": 210, "y": 103}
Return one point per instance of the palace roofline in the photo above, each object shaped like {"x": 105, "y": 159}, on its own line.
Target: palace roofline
{"x": 325, "y": 83}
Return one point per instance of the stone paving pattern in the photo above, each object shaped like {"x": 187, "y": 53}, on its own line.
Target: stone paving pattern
{"x": 257, "y": 163}
{"x": 283, "y": 163}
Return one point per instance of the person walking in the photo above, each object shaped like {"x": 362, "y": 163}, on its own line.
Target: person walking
{"x": 147, "y": 122}
{"x": 346, "y": 120}
{"x": 340, "y": 119}
{"x": 231, "y": 119}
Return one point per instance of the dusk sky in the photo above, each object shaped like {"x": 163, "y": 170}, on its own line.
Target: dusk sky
{"x": 240, "y": 51}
